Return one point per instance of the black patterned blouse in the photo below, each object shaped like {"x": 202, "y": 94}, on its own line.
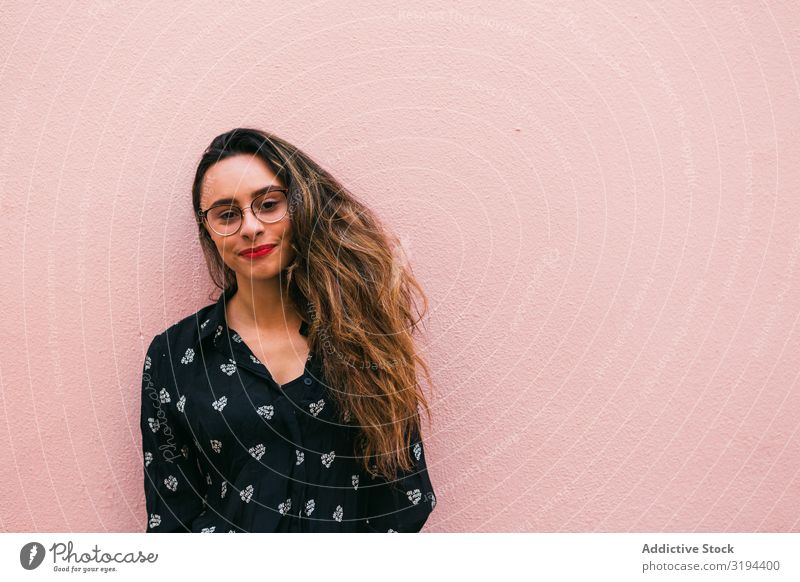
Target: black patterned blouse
{"x": 227, "y": 449}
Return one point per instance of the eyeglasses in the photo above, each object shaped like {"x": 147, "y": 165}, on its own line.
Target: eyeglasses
{"x": 226, "y": 219}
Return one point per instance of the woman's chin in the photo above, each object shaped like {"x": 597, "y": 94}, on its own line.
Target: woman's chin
{"x": 257, "y": 273}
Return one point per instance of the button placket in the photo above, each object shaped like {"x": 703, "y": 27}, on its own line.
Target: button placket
{"x": 241, "y": 354}
{"x": 298, "y": 478}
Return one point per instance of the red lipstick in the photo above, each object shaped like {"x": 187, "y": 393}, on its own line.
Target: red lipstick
{"x": 261, "y": 251}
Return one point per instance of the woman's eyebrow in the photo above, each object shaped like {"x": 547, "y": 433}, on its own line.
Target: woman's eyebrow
{"x": 253, "y": 194}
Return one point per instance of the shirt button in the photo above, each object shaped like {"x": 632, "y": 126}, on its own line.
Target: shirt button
{"x": 307, "y": 381}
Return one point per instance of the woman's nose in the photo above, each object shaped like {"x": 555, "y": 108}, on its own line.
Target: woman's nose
{"x": 250, "y": 224}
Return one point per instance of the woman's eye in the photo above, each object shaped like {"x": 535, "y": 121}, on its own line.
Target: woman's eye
{"x": 227, "y": 216}
{"x": 268, "y": 205}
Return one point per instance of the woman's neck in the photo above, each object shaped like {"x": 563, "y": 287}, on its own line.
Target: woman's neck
{"x": 261, "y": 305}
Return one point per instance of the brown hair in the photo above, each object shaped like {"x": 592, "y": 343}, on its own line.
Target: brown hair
{"x": 349, "y": 284}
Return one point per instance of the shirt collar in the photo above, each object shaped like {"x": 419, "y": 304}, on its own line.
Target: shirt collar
{"x": 214, "y": 324}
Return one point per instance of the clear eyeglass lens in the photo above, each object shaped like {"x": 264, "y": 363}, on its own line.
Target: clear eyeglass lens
{"x": 269, "y": 207}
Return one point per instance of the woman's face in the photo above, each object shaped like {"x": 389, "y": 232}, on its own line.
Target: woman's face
{"x": 238, "y": 178}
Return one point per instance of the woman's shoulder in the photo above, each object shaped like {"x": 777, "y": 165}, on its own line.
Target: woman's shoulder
{"x": 185, "y": 333}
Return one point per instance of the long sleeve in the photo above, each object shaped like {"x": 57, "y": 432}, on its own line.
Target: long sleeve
{"x": 173, "y": 482}
{"x": 402, "y": 505}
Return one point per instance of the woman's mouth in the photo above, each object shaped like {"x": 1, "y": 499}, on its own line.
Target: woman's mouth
{"x": 256, "y": 252}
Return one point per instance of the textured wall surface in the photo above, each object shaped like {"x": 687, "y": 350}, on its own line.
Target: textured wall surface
{"x": 601, "y": 200}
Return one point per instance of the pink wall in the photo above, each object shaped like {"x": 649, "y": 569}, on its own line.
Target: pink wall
{"x": 601, "y": 200}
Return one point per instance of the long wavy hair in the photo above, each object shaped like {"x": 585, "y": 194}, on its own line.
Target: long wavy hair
{"x": 349, "y": 283}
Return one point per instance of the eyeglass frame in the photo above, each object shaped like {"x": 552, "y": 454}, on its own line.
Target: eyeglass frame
{"x": 203, "y": 214}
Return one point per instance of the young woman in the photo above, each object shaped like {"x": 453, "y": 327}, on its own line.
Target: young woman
{"x": 292, "y": 403}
